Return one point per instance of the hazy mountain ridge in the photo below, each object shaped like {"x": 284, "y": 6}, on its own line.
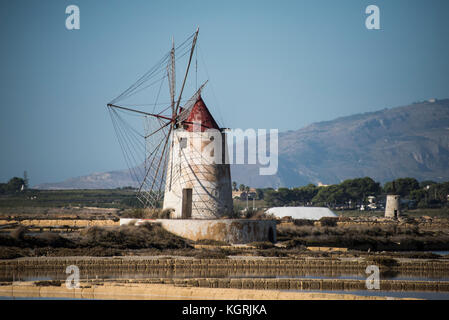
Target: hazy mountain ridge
{"x": 106, "y": 180}
{"x": 404, "y": 141}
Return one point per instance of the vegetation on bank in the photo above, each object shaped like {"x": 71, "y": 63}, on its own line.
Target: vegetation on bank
{"x": 388, "y": 237}
{"x": 144, "y": 236}
{"x": 95, "y": 241}
{"x": 293, "y": 238}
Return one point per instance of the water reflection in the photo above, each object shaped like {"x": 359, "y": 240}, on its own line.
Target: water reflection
{"x": 35, "y": 275}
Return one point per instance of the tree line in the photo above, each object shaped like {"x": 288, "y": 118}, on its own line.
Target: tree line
{"x": 353, "y": 192}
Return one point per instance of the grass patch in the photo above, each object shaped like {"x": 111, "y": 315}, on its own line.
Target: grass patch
{"x": 147, "y": 213}
{"x": 383, "y": 261}
{"x": 303, "y": 222}
{"x": 433, "y": 213}
{"x": 273, "y": 252}
{"x": 211, "y": 242}
{"x": 262, "y": 244}
{"x": 210, "y": 254}
{"x": 45, "y": 239}
{"x": 390, "y": 237}
{"x": 11, "y": 253}
{"x": 147, "y": 235}
{"x": 358, "y": 213}
{"x": 48, "y": 283}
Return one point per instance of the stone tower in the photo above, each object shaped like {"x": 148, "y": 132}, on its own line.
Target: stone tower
{"x": 392, "y": 207}
{"x": 198, "y": 181}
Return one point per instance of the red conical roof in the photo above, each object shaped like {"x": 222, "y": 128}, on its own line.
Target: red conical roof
{"x": 201, "y": 115}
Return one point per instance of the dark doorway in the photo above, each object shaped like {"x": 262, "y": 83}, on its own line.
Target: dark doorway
{"x": 271, "y": 235}
{"x": 186, "y": 204}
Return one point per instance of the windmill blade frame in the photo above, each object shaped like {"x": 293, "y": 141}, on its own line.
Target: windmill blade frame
{"x": 158, "y": 129}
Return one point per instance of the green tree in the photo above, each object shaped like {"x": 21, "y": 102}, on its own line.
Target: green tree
{"x": 419, "y": 195}
{"x": 234, "y": 185}
{"x": 285, "y": 195}
{"x": 439, "y": 193}
{"x": 270, "y": 197}
{"x": 304, "y": 195}
{"x": 2, "y": 188}
{"x": 14, "y": 185}
{"x": 358, "y": 189}
{"x": 403, "y": 186}
{"x": 290, "y": 197}
{"x": 308, "y": 192}
{"x": 274, "y": 198}
{"x": 242, "y": 187}
{"x": 425, "y": 183}
{"x": 331, "y": 195}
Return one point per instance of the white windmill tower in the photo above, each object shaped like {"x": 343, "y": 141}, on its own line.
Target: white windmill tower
{"x": 198, "y": 184}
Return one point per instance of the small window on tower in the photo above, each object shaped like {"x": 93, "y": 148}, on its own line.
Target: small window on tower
{"x": 183, "y": 143}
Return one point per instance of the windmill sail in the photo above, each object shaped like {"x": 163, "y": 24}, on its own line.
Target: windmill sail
{"x": 167, "y": 172}
{"x": 146, "y": 151}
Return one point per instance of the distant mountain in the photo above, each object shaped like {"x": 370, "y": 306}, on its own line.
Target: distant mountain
{"x": 105, "y": 180}
{"x": 408, "y": 141}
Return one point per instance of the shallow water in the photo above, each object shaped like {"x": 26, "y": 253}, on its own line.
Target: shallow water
{"x": 272, "y": 273}
{"x": 441, "y": 253}
{"x": 365, "y": 293}
{"x": 403, "y": 277}
{"x": 32, "y": 275}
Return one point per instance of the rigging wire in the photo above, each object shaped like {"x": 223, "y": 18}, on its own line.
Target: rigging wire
{"x": 141, "y": 79}
{"x": 149, "y": 104}
{"x": 212, "y": 88}
{"x": 154, "y": 71}
{"x": 122, "y": 146}
{"x": 133, "y": 150}
{"x": 137, "y": 148}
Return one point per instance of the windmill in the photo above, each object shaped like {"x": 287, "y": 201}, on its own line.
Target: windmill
{"x": 166, "y": 159}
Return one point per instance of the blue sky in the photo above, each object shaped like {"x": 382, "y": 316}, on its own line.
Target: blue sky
{"x": 271, "y": 64}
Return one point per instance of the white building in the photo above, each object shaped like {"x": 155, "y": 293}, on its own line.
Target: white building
{"x": 309, "y": 213}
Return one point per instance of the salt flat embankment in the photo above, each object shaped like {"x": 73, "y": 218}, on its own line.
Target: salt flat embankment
{"x": 91, "y": 265}
{"x": 131, "y": 263}
{"x": 114, "y": 290}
